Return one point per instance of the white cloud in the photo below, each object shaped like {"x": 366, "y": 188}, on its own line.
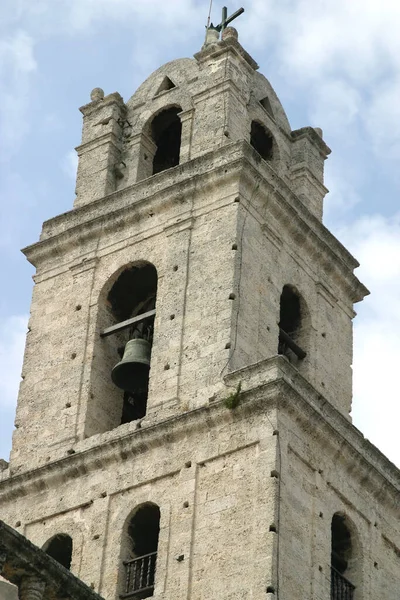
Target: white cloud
{"x": 17, "y": 64}
{"x": 333, "y": 102}
{"x": 345, "y": 53}
{"x": 376, "y": 407}
{"x": 12, "y": 344}
{"x": 382, "y": 118}
{"x": 70, "y": 164}
{"x": 76, "y": 16}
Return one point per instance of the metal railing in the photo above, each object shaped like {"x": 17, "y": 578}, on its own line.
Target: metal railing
{"x": 341, "y": 588}
{"x": 140, "y": 574}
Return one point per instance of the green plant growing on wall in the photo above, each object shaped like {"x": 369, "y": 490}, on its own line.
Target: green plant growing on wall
{"x": 232, "y": 401}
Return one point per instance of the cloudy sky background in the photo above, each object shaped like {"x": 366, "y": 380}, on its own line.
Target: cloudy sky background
{"x": 334, "y": 65}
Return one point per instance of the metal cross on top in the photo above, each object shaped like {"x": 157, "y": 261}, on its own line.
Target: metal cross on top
{"x": 226, "y": 20}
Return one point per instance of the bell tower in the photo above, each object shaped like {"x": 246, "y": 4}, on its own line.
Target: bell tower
{"x": 183, "y": 421}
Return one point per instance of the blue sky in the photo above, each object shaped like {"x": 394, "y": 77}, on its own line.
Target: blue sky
{"x": 334, "y": 65}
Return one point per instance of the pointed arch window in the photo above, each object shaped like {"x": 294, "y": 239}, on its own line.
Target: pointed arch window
{"x": 342, "y": 556}
{"x": 60, "y": 548}
{"x": 141, "y": 546}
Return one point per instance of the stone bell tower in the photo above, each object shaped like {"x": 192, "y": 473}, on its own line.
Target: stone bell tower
{"x": 183, "y": 425}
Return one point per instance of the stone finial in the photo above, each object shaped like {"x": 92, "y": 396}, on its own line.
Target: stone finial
{"x": 319, "y": 131}
{"x": 31, "y": 588}
{"x": 230, "y": 33}
{"x": 212, "y": 35}
{"x": 96, "y": 95}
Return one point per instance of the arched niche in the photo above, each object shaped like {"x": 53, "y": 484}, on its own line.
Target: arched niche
{"x": 139, "y": 551}
{"x": 346, "y": 572}
{"x": 294, "y": 325}
{"x": 129, "y": 294}
{"x": 161, "y": 142}
{"x": 262, "y": 141}
{"x": 60, "y": 548}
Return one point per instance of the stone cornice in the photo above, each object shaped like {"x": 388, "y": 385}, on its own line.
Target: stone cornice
{"x": 299, "y": 397}
{"x": 114, "y": 98}
{"x": 87, "y": 221}
{"x": 222, "y": 47}
{"x": 107, "y": 138}
{"x": 272, "y": 384}
{"x": 314, "y": 137}
{"x": 302, "y": 225}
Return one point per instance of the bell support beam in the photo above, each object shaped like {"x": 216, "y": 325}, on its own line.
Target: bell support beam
{"x": 125, "y": 324}
{"x": 300, "y": 353}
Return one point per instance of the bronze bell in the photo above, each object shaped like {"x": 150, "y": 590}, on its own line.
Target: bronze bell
{"x": 131, "y": 373}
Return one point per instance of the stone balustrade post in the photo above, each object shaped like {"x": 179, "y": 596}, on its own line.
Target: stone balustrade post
{"x": 31, "y": 588}
{"x": 3, "y": 558}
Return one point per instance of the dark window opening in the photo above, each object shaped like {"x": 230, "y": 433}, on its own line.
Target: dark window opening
{"x": 341, "y": 544}
{"x": 166, "y": 130}
{"x": 341, "y": 554}
{"x": 132, "y": 295}
{"x": 290, "y": 324}
{"x": 265, "y": 103}
{"x": 166, "y": 85}
{"x": 143, "y": 532}
{"x": 60, "y": 548}
{"x": 261, "y": 141}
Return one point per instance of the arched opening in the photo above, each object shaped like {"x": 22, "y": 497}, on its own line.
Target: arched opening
{"x": 291, "y": 325}
{"x": 121, "y": 357}
{"x": 131, "y": 298}
{"x": 261, "y": 140}
{"x": 166, "y": 131}
{"x": 140, "y": 551}
{"x": 342, "y": 557}
{"x": 60, "y": 548}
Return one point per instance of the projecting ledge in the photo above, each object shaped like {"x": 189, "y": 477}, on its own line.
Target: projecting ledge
{"x": 295, "y": 395}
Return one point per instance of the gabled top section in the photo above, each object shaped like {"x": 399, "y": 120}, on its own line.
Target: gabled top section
{"x": 166, "y": 85}
{"x": 187, "y": 109}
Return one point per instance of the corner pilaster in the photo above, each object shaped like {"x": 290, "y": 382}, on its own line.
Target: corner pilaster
{"x": 100, "y": 151}
{"x": 309, "y": 152}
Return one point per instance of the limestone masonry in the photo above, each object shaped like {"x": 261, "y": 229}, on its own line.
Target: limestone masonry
{"x": 220, "y": 461}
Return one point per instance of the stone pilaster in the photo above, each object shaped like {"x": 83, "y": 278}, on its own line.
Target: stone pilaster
{"x": 100, "y": 151}
{"x": 186, "y": 118}
{"x": 143, "y": 150}
{"x": 309, "y": 152}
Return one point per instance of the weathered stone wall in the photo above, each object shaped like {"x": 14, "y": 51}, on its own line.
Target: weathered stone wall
{"x": 246, "y": 495}
{"x": 274, "y": 249}
{"x": 217, "y": 475}
{"x": 321, "y": 476}
{"x": 208, "y": 473}
{"x": 222, "y": 240}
